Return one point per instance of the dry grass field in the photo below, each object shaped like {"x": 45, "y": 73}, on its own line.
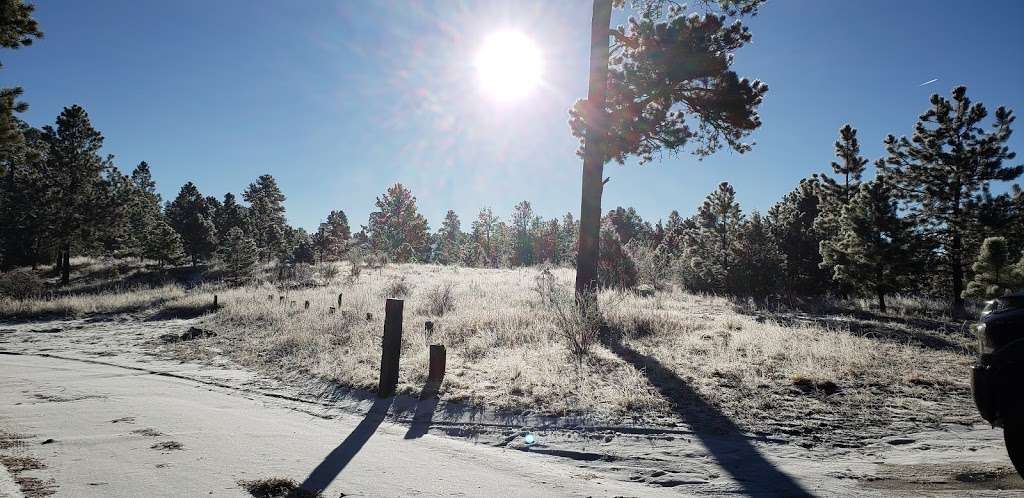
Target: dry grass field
{"x": 838, "y": 374}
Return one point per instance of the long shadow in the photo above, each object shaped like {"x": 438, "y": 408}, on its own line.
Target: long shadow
{"x": 424, "y": 409}
{"x": 722, "y": 438}
{"x": 925, "y": 332}
{"x": 337, "y": 459}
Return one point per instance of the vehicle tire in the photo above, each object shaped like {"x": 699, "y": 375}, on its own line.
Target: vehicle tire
{"x": 1013, "y": 433}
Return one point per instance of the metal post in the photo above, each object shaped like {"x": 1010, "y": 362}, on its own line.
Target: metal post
{"x": 391, "y": 348}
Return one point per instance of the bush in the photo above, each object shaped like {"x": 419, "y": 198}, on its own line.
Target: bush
{"x": 578, "y": 323}
{"x": 545, "y": 286}
{"x": 397, "y": 288}
{"x": 615, "y": 267}
{"x": 22, "y": 283}
{"x": 440, "y": 299}
{"x": 328, "y": 272}
{"x": 653, "y": 267}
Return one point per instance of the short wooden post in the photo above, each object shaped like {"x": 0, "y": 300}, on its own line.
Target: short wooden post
{"x": 339, "y": 300}
{"x": 214, "y": 300}
{"x": 391, "y": 348}
{"x": 369, "y": 317}
{"x": 437, "y": 359}
{"x": 307, "y": 305}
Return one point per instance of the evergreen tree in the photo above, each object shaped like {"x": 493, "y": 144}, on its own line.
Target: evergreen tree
{"x": 874, "y": 251}
{"x": 75, "y": 171}
{"x": 266, "y": 214}
{"x": 628, "y": 224}
{"x": 332, "y": 239}
{"x": 758, "y": 260}
{"x": 230, "y": 214}
{"x": 567, "y": 240}
{"x": 791, "y": 223}
{"x": 995, "y": 274}
{"x": 835, "y": 194}
{"x": 189, "y": 215}
{"x": 398, "y": 223}
{"x": 522, "y": 216}
{"x": 163, "y": 244}
{"x": 25, "y": 198}
{"x": 239, "y": 254}
{"x": 674, "y": 240}
{"x": 449, "y": 250}
{"x": 485, "y": 228}
{"x": 616, "y": 268}
{"x": 667, "y": 74}
{"x": 299, "y": 246}
{"x": 142, "y": 210}
{"x": 948, "y": 162}
{"x": 710, "y": 263}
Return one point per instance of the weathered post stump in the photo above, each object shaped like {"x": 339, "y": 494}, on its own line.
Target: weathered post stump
{"x": 307, "y": 305}
{"x": 215, "y": 301}
{"x": 391, "y": 348}
{"x": 339, "y": 300}
{"x": 437, "y": 360}
{"x": 369, "y": 317}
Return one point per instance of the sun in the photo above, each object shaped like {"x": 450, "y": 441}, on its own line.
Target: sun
{"x": 508, "y": 65}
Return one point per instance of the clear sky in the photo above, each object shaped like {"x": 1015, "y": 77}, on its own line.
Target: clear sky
{"x": 340, "y": 99}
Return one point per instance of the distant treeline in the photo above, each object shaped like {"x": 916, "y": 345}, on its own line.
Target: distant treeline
{"x": 915, "y": 227}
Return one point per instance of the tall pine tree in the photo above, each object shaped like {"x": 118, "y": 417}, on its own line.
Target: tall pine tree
{"x": 948, "y": 162}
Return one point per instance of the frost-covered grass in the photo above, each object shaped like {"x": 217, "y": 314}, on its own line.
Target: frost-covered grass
{"x": 505, "y": 351}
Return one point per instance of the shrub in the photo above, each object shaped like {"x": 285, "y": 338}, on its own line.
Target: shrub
{"x": 653, "y": 267}
{"x": 615, "y": 268}
{"x": 578, "y": 323}
{"x": 440, "y": 299}
{"x": 328, "y": 272}
{"x": 545, "y": 286}
{"x": 397, "y": 288}
{"x": 22, "y": 283}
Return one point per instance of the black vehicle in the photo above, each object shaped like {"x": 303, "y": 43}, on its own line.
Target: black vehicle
{"x": 998, "y": 378}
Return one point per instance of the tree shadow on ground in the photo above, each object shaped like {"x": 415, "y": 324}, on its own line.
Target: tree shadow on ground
{"x": 723, "y": 439}
{"x": 425, "y": 407}
{"x": 925, "y": 332}
{"x": 339, "y": 458}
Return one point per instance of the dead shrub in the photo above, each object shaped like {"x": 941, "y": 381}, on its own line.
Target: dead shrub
{"x": 579, "y": 323}
{"x": 397, "y": 288}
{"x": 440, "y": 299}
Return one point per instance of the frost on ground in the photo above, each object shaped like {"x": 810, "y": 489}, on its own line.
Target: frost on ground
{"x": 680, "y": 391}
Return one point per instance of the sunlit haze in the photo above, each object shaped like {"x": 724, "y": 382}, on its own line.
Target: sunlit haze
{"x": 509, "y": 65}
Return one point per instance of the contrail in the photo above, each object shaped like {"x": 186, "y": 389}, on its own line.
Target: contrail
{"x": 933, "y": 80}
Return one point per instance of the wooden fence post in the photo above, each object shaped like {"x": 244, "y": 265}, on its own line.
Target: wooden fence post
{"x": 437, "y": 359}
{"x": 339, "y": 300}
{"x": 391, "y": 348}
{"x": 214, "y": 300}
{"x": 307, "y": 305}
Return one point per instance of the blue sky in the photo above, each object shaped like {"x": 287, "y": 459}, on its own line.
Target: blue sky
{"x": 338, "y": 100}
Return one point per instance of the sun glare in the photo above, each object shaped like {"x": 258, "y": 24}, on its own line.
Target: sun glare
{"x": 508, "y": 65}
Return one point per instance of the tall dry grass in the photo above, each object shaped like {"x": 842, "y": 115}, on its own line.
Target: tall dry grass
{"x": 506, "y": 349}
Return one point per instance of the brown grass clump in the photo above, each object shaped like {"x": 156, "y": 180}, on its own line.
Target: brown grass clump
{"x": 276, "y": 487}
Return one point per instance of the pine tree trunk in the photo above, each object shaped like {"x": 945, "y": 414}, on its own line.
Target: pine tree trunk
{"x": 881, "y": 301}
{"x": 65, "y": 261}
{"x": 955, "y": 260}
{"x": 593, "y": 153}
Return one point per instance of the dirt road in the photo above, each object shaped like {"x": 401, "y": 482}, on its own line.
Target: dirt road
{"x": 93, "y": 408}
